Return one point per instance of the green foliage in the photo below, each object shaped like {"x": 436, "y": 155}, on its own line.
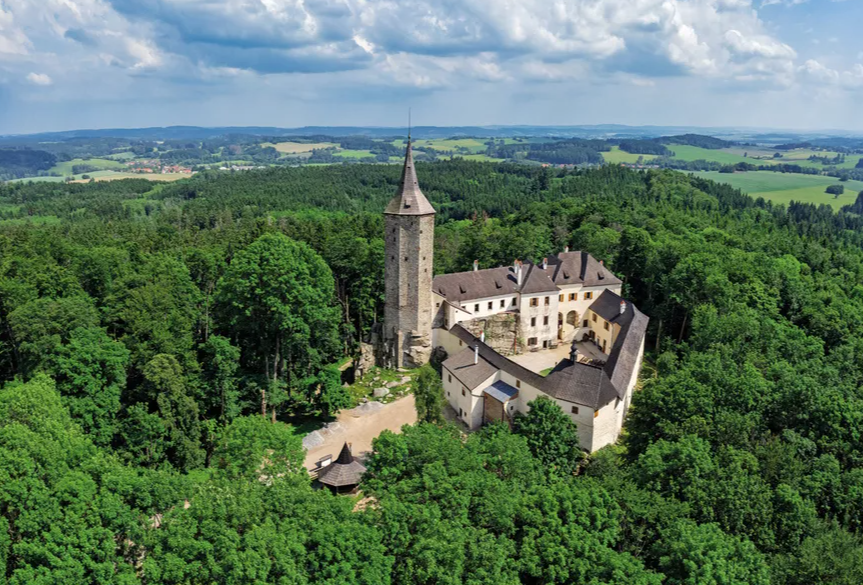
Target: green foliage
{"x": 703, "y": 555}
{"x": 551, "y": 436}
{"x": 747, "y": 432}
{"x": 428, "y": 395}
{"x": 277, "y": 299}
{"x": 252, "y": 446}
{"x": 90, "y": 371}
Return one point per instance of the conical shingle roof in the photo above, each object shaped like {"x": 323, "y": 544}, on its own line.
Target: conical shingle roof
{"x": 345, "y": 471}
{"x": 409, "y": 200}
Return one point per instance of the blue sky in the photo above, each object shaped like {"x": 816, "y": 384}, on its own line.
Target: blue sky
{"x": 68, "y": 64}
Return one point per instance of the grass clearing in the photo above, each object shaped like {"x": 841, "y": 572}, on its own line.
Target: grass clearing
{"x": 100, "y": 176}
{"x": 617, "y": 156}
{"x": 103, "y": 164}
{"x": 787, "y": 187}
{"x": 353, "y": 153}
{"x": 472, "y": 144}
{"x": 299, "y": 147}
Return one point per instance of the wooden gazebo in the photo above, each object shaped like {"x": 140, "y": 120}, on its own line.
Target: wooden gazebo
{"x": 344, "y": 474}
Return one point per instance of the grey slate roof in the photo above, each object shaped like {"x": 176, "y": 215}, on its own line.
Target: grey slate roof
{"x": 580, "y": 268}
{"x": 409, "y": 200}
{"x": 588, "y": 385}
{"x": 580, "y": 383}
{"x": 501, "y": 391}
{"x": 469, "y": 374}
{"x": 624, "y": 353}
{"x": 607, "y": 306}
{"x": 537, "y": 280}
{"x": 344, "y": 471}
{"x": 479, "y": 284}
{"x": 565, "y": 268}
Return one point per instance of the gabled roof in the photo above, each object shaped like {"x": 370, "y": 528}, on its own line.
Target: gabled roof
{"x": 563, "y": 269}
{"x": 580, "y": 268}
{"x": 468, "y": 373}
{"x": 537, "y": 280}
{"x": 607, "y": 306}
{"x": 409, "y": 200}
{"x": 624, "y": 353}
{"x": 343, "y": 471}
{"x": 475, "y": 284}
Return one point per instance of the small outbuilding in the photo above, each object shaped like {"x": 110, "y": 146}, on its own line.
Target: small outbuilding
{"x": 344, "y": 474}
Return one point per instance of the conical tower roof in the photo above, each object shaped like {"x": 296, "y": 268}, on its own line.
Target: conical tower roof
{"x": 409, "y": 200}
{"x": 344, "y": 471}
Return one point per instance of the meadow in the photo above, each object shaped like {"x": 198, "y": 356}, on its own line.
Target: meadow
{"x": 299, "y": 147}
{"x": 787, "y": 187}
{"x": 65, "y": 168}
{"x": 617, "y": 156}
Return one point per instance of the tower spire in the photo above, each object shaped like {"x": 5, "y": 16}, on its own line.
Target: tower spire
{"x": 409, "y": 200}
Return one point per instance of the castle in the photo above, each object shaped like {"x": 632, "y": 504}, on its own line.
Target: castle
{"x": 558, "y": 328}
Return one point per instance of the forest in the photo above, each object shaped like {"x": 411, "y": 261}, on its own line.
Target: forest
{"x": 161, "y": 347}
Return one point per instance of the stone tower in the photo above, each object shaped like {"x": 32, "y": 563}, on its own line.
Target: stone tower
{"x": 409, "y": 223}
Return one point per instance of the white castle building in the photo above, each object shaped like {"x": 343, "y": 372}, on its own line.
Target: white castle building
{"x": 558, "y": 328}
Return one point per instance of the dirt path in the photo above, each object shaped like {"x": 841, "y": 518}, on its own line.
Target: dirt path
{"x": 360, "y": 430}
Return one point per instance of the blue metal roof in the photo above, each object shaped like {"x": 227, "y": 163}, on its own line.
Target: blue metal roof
{"x": 501, "y": 391}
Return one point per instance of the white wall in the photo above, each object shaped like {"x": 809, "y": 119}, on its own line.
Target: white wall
{"x": 471, "y": 403}
{"x": 541, "y": 331}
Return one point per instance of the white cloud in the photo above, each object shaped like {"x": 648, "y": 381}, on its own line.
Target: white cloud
{"x": 848, "y": 79}
{"x": 39, "y": 79}
{"x": 415, "y": 45}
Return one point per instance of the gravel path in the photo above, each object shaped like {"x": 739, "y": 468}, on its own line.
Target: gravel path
{"x": 359, "y": 430}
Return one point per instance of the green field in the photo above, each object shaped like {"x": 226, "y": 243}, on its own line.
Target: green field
{"x": 65, "y": 168}
{"x": 353, "y": 153}
{"x": 617, "y": 156}
{"x": 787, "y": 187}
{"x": 298, "y": 147}
{"x": 472, "y": 144}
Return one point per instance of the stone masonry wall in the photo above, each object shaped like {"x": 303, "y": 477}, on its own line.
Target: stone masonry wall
{"x": 408, "y": 287}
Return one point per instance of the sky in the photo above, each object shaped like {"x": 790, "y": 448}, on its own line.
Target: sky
{"x": 71, "y": 64}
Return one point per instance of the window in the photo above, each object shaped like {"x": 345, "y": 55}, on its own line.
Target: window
{"x": 573, "y": 296}
{"x": 531, "y": 341}
{"x": 547, "y": 301}
{"x": 545, "y": 320}
{"x": 476, "y": 308}
{"x": 460, "y": 343}
{"x": 605, "y": 325}
{"x": 545, "y": 344}
{"x": 588, "y": 296}
{"x": 518, "y": 383}
{"x": 534, "y": 302}
{"x": 449, "y": 378}
{"x": 502, "y": 303}
{"x": 514, "y": 300}
{"x": 447, "y": 394}
{"x": 462, "y": 392}
{"x": 574, "y": 410}
{"x": 594, "y": 317}
{"x": 533, "y": 321}
{"x": 585, "y": 323}
{"x": 560, "y": 298}
{"x": 490, "y": 305}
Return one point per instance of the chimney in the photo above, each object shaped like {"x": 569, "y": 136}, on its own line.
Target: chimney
{"x": 518, "y": 274}
{"x": 573, "y": 353}
{"x": 622, "y": 307}
{"x": 476, "y": 354}
{"x": 566, "y": 249}
{"x": 475, "y": 265}
{"x": 482, "y": 336}
{"x": 602, "y": 262}
{"x": 545, "y": 263}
